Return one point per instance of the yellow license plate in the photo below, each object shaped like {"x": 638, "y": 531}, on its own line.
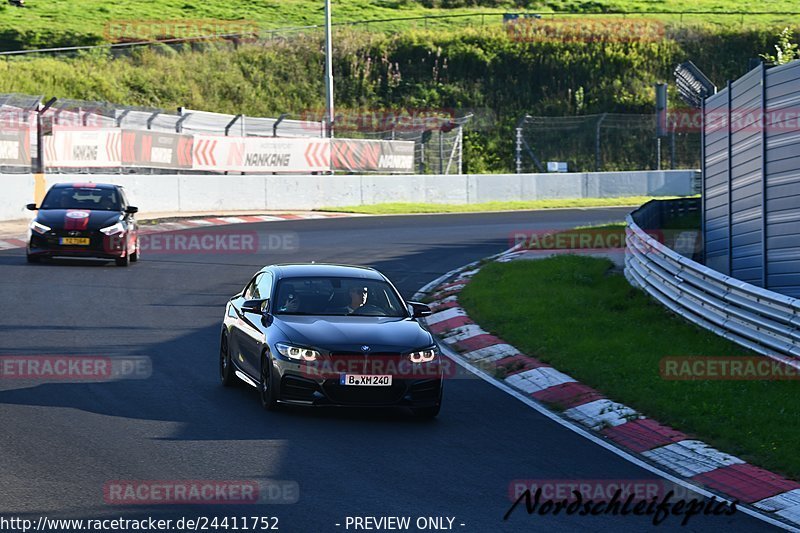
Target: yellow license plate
{"x": 73, "y": 241}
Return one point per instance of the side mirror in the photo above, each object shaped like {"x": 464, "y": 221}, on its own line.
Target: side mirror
{"x": 131, "y": 210}
{"x": 31, "y": 207}
{"x": 419, "y": 310}
{"x": 259, "y": 307}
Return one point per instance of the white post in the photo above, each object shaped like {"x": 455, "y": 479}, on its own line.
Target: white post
{"x": 328, "y": 68}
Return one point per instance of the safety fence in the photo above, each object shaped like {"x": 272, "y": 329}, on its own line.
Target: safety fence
{"x": 762, "y": 320}
{"x": 67, "y": 136}
{"x": 607, "y": 142}
{"x": 751, "y": 182}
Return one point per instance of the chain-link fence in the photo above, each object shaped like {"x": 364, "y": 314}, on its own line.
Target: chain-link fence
{"x": 605, "y": 142}
{"x": 438, "y": 141}
{"x": 17, "y": 132}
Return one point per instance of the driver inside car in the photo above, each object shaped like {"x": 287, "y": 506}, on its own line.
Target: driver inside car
{"x": 358, "y": 298}
{"x": 291, "y": 303}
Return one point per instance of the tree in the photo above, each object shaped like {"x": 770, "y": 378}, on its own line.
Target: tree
{"x": 786, "y": 50}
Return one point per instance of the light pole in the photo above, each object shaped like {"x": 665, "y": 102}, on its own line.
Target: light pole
{"x": 328, "y": 68}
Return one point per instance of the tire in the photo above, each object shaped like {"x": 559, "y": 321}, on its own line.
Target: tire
{"x": 33, "y": 258}
{"x": 227, "y": 375}
{"x": 123, "y": 261}
{"x": 266, "y": 389}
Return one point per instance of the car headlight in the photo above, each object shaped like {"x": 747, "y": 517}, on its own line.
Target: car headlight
{"x": 296, "y": 352}
{"x": 423, "y": 356}
{"x": 39, "y": 228}
{"x": 116, "y": 229}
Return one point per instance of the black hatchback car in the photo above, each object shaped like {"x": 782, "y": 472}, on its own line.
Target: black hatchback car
{"x": 84, "y": 220}
{"x": 332, "y": 335}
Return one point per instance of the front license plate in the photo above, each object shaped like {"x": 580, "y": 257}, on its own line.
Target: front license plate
{"x": 74, "y": 241}
{"x": 361, "y": 380}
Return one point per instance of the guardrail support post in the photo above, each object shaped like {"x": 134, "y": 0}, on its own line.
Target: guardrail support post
{"x": 121, "y": 117}
{"x": 231, "y": 123}
{"x": 180, "y": 121}
{"x": 703, "y": 179}
{"x": 277, "y": 123}
{"x": 597, "y": 143}
{"x": 40, "y": 134}
{"x": 441, "y": 152}
{"x": 730, "y": 182}
{"x": 764, "y": 262}
{"x": 151, "y": 118}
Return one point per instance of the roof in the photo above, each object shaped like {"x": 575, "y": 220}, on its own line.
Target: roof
{"x": 85, "y": 184}
{"x": 298, "y": 270}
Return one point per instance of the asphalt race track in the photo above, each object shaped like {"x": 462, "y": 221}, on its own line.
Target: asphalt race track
{"x": 61, "y": 443}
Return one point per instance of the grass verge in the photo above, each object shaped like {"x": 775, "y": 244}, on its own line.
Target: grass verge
{"x": 410, "y": 208}
{"x": 573, "y": 313}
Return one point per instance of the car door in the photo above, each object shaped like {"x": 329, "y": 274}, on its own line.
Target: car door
{"x": 253, "y": 331}
{"x": 252, "y": 326}
{"x": 241, "y": 329}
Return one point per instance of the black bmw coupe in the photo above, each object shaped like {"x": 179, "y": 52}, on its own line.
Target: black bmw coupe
{"x": 334, "y": 335}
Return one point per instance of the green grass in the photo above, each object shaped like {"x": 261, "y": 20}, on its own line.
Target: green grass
{"x": 63, "y": 22}
{"x": 574, "y": 313}
{"x": 411, "y": 208}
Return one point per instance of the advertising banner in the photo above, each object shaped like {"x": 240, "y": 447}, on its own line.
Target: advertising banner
{"x": 260, "y": 154}
{"x": 83, "y": 148}
{"x": 153, "y": 149}
{"x": 373, "y": 156}
{"x": 15, "y": 147}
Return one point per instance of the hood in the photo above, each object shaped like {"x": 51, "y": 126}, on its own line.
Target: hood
{"x": 77, "y": 219}
{"x": 350, "y": 333}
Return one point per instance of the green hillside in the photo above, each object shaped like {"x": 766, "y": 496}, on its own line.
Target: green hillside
{"x": 559, "y": 65}
{"x": 46, "y": 23}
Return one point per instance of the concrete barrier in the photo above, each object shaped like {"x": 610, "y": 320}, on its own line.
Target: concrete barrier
{"x": 185, "y": 193}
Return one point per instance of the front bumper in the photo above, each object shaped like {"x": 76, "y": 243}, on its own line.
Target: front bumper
{"x": 297, "y": 385}
{"x": 100, "y": 246}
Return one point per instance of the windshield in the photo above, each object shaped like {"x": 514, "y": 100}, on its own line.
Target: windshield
{"x": 82, "y": 198}
{"x": 337, "y": 297}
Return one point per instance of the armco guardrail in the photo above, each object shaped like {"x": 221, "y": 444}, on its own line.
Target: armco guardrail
{"x": 761, "y": 320}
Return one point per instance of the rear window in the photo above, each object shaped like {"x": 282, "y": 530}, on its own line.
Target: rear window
{"x": 82, "y": 198}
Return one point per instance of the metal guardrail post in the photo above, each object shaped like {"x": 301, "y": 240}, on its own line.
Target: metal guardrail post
{"x": 460, "y": 149}
{"x": 277, "y": 123}
{"x": 764, "y": 248}
{"x": 151, "y": 118}
{"x": 597, "y": 143}
{"x": 180, "y": 121}
{"x": 231, "y": 123}
{"x": 703, "y": 177}
{"x": 730, "y": 180}
{"x": 441, "y": 152}
{"x": 40, "y": 134}
{"x": 121, "y": 117}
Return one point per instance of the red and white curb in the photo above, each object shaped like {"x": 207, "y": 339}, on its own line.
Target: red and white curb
{"x": 11, "y": 243}
{"x": 768, "y": 495}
